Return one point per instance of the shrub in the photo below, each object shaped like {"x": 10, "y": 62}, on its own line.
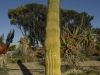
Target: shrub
{"x": 15, "y": 60}
{"x": 39, "y": 55}
{"x": 17, "y": 53}
{"x": 64, "y": 68}
{"x": 83, "y": 57}
{"x": 4, "y": 71}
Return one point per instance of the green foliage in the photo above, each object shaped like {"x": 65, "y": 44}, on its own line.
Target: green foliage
{"x": 4, "y": 71}
{"x": 95, "y": 58}
{"x": 10, "y": 36}
{"x": 64, "y": 68}
{"x": 72, "y": 19}
{"x": 15, "y": 60}
{"x": 93, "y": 72}
{"x": 31, "y": 20}
{"x": 12, "y": 47}
{"x": 89, "y": 41}
{"x": 39, "y": 55}
{"x": 83, "y": 57}
{"x": 17, "y": 55}
{"x": 1, "y": 39}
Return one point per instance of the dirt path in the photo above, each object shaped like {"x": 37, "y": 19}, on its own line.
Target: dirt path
{"x": 33, "y": 68}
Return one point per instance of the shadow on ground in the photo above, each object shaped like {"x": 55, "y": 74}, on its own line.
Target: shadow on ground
{"x": 25, "y": 71}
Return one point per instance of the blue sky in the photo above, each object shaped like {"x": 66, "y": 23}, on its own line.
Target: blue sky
{"x": 89, "y": 6}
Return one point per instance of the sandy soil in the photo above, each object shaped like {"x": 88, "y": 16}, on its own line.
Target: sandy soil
{"x": 35, "y": 68}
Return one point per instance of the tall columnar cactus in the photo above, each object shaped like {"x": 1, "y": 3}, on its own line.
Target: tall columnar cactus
{"x": 52, "y": 42}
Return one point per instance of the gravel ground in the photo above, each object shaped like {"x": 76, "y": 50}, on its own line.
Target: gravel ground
{"x": 34, "y": 68}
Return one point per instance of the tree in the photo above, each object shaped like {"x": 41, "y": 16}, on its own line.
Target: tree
{"x": 10, "y": 37}
{"x": 52, "y": 42}
{"x": 1, "y": 40}
{"x": 72, "y": 19}
{"x": 30, "y": 19}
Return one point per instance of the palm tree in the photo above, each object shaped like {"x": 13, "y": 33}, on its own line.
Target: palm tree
{"x": 52, "y": 42}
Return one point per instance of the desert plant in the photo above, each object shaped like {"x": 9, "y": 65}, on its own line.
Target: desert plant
{"x": 89, "y": 41}
{"x": 70, "y": 49}
{"x": 52, "y": 42}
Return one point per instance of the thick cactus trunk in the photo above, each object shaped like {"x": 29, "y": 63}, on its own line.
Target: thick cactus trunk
{"x": 52, "y": 42}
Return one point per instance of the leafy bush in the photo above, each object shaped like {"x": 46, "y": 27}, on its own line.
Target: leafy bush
{"x": 83, "y": 57}
{"x": 64, "y": 68}
{"x": 17, "y": 55}
{"x": 4, "y": 71}
{"x": 15, "y": 60}
{"x": 39, "y": 55}
{"x": 96, "y": 58}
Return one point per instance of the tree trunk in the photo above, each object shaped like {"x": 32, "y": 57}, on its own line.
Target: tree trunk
{"x": 52, "y": 42}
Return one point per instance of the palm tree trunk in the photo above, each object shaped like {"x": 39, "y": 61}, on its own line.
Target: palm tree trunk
{"x": 52, "y": 42}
